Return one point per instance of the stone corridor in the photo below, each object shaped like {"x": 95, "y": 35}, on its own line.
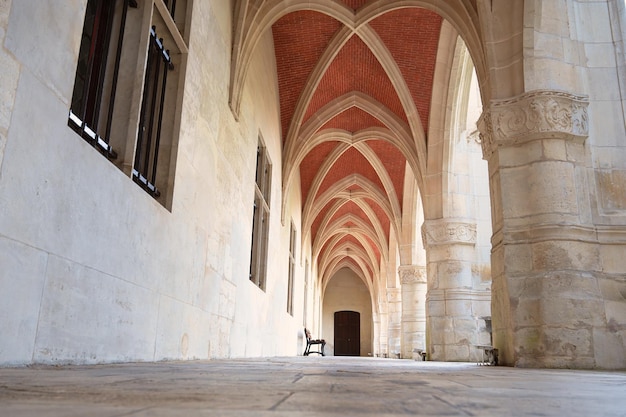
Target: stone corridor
{"x": 308, "y": 386}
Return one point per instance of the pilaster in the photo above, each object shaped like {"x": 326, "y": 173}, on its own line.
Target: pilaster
{"x": 454, "y": 301}
{"x": 413, "y": 280}
{"x": 394, "y": 326}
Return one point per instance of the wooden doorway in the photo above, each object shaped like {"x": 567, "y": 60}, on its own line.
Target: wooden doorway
{"x": 347, "y": 333}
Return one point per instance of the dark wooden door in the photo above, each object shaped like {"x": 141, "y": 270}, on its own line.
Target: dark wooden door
{"x": 347, "y": 333}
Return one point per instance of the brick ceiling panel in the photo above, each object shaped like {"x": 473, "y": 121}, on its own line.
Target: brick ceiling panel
{"x": 320, "y": 217}
{"x": 353, "y": 120}
{"x": 394, "y": 163}
{"x": 415, "y": 51}
{"x": 354, "y": 4}
{"x": 355, "y": 68}
{"x": 351, "y": 162}
{"x": 352, "y": 240}
{"x": 374, "y": 248}
{"x": 351, "y": 207}
{"x": 311, "y": 164}
{"x": 300, "y": 38}
{"x": 382, "y": 217}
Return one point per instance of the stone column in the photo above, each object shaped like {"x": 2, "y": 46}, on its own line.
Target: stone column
{"x": 547, "y": 307}
{"x": 454, "y": 308}
{"x": 413, "y": 280}
{"x": 394, "y": 303}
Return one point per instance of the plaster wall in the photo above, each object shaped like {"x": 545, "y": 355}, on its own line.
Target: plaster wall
{"x": 92, "y": 268}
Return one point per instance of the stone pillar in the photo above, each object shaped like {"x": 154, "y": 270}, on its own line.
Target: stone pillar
{"x": 413, "y": 280}
{"x": 394, "y": 302}
{"x": 547, "y": 305}
{"x": 454, "y": 308}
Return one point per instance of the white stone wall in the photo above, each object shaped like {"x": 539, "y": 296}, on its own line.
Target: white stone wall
{"x": 92, "y": 268}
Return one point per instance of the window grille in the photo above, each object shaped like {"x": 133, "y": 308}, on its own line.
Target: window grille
{"x": 292, "y": 268}
{"x": 149, "y": 135}
{"x": 260, "y": 220}
{"x": 95, "y": 86}
{"x": 123, "y": 102}
{"x": 171, "y": 7}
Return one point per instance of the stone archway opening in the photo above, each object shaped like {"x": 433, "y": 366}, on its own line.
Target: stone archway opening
{"x": 346, "y": 292}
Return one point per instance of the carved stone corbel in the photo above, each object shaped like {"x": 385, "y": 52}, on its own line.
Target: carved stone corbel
{"x": 412, "y": 274}
{"x": 445, "y": 232}
{"x": 539, "y": 114}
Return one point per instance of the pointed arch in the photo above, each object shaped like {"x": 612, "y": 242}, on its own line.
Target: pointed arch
{"x": 314, "y": 206}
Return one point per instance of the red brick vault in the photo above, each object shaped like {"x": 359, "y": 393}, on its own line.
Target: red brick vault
{"x": 353, "y": 104}
{"x": 355, "y": 81}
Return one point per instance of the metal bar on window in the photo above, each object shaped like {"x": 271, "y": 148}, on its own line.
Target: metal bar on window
{"x": 116, "y": 71}
{"x": 104, "y": 50}
{"x": 153, "y": 106}
{"x": 171, "y": 6}
{"x": 142, "y": 120}
{"x": 86, "y": 112}
{"x": 159, "y": 123}
{"x": 90, "y": 62}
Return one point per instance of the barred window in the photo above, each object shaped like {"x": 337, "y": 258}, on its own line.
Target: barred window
{"x": 133, "y": 121}
{"x": 260, "y": 219}
{"x": 292, "y": 268}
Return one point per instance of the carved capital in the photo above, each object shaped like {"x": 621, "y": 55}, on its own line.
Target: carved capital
{"x": 446, "y": 232}
{"x": 412, "y": 274}
{"x": 539, "y": 114}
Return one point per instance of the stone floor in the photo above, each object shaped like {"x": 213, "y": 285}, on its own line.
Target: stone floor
{"x": 308, "y": 386}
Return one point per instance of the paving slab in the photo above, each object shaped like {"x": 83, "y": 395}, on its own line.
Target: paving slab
{"x": 308, "y": 386}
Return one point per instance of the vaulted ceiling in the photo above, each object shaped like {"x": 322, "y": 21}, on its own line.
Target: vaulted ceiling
{"x": 355, "y": 107}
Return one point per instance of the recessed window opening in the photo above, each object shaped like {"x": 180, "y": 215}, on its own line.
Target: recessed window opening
{"x": 150, "y": 122}
{"x": 97, "y": 72}
{"x": 260, "y": 219}
{"x": 292, "y": 268}
{"x": 128, "y": 87}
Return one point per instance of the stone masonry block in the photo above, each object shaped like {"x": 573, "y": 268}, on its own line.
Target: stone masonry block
{"x": 563, "y": 285}
{"x": 610, "y": 348}
{"x": 566, "y": 255}
{"x": 548, "y": 195}
{"x": 65, "y": 21}
{"x": 457, "y": 352}
{"x": 611, "y": 190}
{"x": 22, "y": 277}
{"x": 555, "y": 150}
{"x": 612, "y": 259}
{"x": 459, "y": 308}
{"x": 436, "y": 308}
{"x": 533, "y": 343}
{"x": 518, "y": 259}
{"x": 616, "y": 315}
{"x": 612, "y": 290}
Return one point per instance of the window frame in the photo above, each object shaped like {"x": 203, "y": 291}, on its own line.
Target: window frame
{"x": 292, "y": 267}
{"x": 117, "y": 117}
{"x": 260, "y": 217}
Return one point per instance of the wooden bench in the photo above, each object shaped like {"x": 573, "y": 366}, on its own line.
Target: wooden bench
{"x": 489, "y": 355}
{"x": 310, "y": 342}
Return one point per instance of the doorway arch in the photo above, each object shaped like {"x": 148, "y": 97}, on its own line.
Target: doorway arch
{"x": 347, "y": 292}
